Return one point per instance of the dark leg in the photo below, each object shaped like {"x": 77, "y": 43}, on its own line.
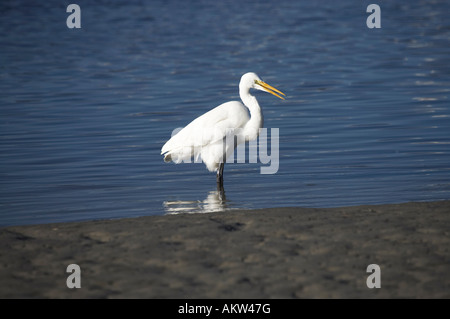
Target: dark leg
{"x": 221, "y": 194}
{"x": 220, "y": 175}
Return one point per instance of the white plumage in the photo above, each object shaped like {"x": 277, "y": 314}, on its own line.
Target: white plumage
{"x": 211, "y": 136}
{"x": 204, "y": 137}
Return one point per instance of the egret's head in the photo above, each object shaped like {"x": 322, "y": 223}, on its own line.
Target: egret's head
{"x": 252, "y": 81}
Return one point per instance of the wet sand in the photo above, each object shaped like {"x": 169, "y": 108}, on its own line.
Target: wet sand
{"x": 268, "y": 253}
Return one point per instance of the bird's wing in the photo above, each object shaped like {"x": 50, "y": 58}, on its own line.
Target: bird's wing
{"x": 208, "y": 128}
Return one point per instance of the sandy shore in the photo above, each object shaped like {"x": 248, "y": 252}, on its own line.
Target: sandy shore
{"x": 269, "y": 253}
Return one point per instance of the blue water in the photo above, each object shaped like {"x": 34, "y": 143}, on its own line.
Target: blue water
{"x": 84, "y": 112}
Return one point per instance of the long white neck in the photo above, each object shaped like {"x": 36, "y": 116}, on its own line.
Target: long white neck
{"x": 251, "y": 129}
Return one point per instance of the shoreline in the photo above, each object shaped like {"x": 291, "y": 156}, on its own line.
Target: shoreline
{"x": 263, "y": 253}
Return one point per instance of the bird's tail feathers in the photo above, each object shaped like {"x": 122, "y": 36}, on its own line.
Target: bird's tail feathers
{"x": 167, "y": 158}
{"x": 182, "y": 154}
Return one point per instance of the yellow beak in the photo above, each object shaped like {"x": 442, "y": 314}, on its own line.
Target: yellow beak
{"x": 270, "y": 89}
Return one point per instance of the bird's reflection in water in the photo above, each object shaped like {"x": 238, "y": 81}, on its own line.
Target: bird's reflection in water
{"x": 215, "y": 202}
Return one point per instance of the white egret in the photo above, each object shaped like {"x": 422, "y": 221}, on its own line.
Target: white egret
{"x": 211, "y": 136}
